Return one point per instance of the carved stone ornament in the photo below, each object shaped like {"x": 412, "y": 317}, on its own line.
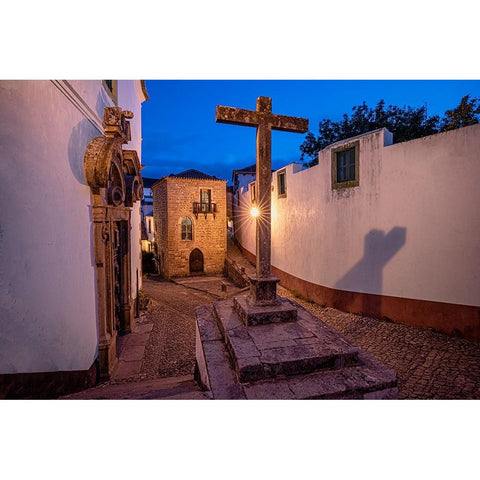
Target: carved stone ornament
{"x": 109, "y": 167}
{"x": 100, "y": 153}
{"x": 133, "y": 177}
{"x": 105, "y": 233}
{"x": 116, "y": 125}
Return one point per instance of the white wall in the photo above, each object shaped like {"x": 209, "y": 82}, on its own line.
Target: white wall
{"x": 130, "y": 97}
{"x": 410, "y": 229}
{"x": 48, "y": 319}
{"x": 244, "y": 179}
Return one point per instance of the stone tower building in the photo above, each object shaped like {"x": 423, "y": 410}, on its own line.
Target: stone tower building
{"x": 190, "y": 223}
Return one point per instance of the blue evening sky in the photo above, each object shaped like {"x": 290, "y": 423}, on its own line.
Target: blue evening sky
{"x": 179, "y": 129}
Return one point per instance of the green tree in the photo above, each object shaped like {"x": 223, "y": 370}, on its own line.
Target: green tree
{"x": 466, "y": 113}
{"x": 405, "y": 123}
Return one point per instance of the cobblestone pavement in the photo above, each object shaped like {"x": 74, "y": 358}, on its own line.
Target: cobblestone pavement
{"x": 429, "y": 365}
{"x": 170, "y": 350}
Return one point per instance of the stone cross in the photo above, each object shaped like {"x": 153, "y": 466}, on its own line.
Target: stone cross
{"x": 265, "y": 121}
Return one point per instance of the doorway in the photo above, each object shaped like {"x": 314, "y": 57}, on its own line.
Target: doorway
{"x": 196, "y": 261}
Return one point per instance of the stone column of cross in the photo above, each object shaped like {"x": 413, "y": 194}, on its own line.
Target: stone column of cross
{"x": 265, "y": 121}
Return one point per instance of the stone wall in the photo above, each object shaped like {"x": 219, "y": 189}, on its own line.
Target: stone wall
{"x": 236, "y": 273}
{"x": 173, "y": 199}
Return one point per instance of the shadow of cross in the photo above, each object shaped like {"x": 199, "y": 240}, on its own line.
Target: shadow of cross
{"x": 263, "y": 289}
{"x": 366, "y": 276}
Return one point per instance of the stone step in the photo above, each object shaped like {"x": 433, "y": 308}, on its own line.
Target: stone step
{"x": 252, "y": 315}
{"x": 271, "y": 350}
{"x": 171, "y": 388}
{"x": 213, "y": 365}
{"x": 366, "y": 378}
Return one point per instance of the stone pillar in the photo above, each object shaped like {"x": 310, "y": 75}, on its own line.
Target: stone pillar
{"x": 263, "y": 287}
{"x": 263, "y": 188}
{"x": 107, "y": 345}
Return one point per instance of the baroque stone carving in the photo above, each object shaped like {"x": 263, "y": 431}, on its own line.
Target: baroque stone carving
{"x": 114, "y": 176}
{"x": 133, "y": 177}
{"x": 105, "y": 233}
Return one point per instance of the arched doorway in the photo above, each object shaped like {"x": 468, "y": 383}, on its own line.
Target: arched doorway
{"x": 114, "y": 177}
{"x": 196, "y": 261}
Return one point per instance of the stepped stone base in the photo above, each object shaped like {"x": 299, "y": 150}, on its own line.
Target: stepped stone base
{"x": 252, "y": 314}
{"x": 264, "y": 290}
{"x": 286, "y": 360}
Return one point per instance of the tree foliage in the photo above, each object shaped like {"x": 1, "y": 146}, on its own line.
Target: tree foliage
{"x": 465, "y": 114}
{"x": 405, "y": 123}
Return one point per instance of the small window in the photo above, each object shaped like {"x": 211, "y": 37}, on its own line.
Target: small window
{"x": 186, "y": 229}
{"x": 111, "y": 88}
{"x": 282, "y": 183}
{"x": 253, "y": 192}
{"x": 345, "y": 166}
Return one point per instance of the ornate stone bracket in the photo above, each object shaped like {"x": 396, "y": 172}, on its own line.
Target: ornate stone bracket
{"x": 108, "y": 166}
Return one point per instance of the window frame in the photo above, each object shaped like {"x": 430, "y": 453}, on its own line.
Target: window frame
{"x": 202, "y": 203}
{"x": 186, "y": 239}
{"x": 282, "y": 173}
{"x": 334, "y": 159}
{"x": 112, "y": 92}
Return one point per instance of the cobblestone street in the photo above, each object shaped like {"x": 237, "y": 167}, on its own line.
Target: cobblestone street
{"x": 429, "y": 365}
{"x": 171, "y": 347}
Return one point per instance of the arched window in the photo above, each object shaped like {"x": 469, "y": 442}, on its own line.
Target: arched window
{"x": 186, "y": 229}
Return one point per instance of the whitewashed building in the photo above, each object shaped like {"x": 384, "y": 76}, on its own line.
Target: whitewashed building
{"x": 390, "y": 230}
{"x": 148, "y": 237}
{"x": 70, "y": 253}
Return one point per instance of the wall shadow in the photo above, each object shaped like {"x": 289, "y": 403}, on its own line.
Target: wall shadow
{"x": 367, "y": 274}
{"x": 81, "y": 135}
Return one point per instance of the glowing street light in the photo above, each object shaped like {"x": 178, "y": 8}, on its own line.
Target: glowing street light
{"x": 254, "y": 212}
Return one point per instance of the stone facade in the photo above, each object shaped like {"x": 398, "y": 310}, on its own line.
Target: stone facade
{"x": 176, "y": 198}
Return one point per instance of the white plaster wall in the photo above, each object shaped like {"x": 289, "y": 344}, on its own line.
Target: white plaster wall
{"x": 150, "y": 222}
{"x": 244, "y": 179}
{"x": 438, "y": 203}
{"x": 48, "y": 318}
{"x": 47, "y": 280}
{"x": 410, "y": 229}
{"x": 130, "y": 97}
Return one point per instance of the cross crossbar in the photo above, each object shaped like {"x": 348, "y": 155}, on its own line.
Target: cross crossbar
{"x": 253, "y": 118}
